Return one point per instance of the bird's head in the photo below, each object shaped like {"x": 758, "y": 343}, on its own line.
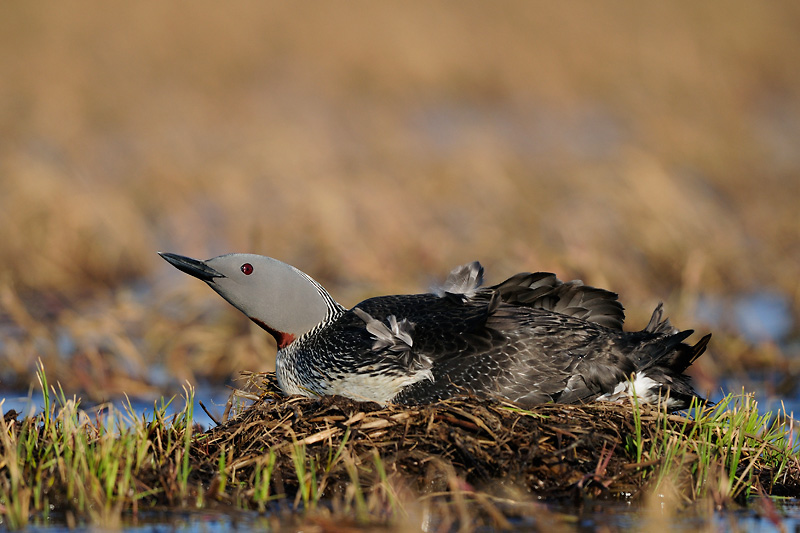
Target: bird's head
{"x": 278, "y": 297}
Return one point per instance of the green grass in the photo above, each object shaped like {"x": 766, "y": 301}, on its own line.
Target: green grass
{"x": 186, "y": 421}
{"x": 87, "y": 464}
{"x": 261, "y": 481}
{"x": 96, "y": 467}
{"x": 715, "y": 451}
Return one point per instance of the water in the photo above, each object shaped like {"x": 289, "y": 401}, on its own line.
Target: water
{"x": 776, "y": 515}
{"x": 168, "y": 521}
{"x": 623, "y": 516}
{"x": 214, "y": 398}
{"x": 758, "y": 317}
{"x": 766, "y": 387}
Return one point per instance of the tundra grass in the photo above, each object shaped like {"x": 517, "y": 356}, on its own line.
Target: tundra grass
{"x": 329, "y": 459}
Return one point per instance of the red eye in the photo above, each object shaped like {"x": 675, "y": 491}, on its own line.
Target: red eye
{"x": 247, "y": 268}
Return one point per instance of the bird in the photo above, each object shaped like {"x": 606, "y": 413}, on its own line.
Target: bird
{"x": 531, "y": 339}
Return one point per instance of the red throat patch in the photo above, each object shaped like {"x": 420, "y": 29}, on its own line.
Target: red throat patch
{"x": 283, "y": 339}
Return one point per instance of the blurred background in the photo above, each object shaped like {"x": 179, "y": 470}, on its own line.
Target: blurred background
{"x": 649, "y": 148}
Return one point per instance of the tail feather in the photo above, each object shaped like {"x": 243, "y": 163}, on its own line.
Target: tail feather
{"x": 685, "y": 354}
{"x": 667, "y": 371}
{"x": 659, "y": 324}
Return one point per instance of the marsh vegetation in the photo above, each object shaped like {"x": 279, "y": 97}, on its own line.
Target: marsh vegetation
{"x": 458, "y": 463}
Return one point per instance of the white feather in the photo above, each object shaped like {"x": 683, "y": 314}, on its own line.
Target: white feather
{"x": 645, "y": 388}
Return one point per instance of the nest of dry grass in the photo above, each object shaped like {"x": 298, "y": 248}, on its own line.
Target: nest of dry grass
{"x": 551, "y": 449}
{"x": 478, "y": 446}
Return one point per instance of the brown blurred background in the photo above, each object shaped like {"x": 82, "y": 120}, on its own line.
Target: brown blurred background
{"x": 649, "y": 148}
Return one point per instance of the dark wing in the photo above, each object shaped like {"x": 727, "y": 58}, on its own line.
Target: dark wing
{"x": 531, "y": 339}
{"x": 543, "y": 290}
{"x": 490, "y": 346}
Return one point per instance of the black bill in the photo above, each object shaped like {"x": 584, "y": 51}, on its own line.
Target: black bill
{"x": 193, "y": 267}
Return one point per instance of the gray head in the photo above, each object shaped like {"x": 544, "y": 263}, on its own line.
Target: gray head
{"x": 281, "y": 299}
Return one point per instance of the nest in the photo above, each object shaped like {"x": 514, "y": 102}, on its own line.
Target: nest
{"x": 468, "y": 443}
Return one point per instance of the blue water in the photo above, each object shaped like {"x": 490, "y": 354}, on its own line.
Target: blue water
{"x": 758, "y": 317}
{"x": 213, "y": 398}
{"x": 167, "y": 521}
{"x": 765, "y": 387}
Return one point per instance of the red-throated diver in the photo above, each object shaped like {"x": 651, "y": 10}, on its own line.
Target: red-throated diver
{"x": 530, "y": 339}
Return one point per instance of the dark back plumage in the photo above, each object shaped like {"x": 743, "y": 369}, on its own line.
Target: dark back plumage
{"x": 530, "y": 339}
